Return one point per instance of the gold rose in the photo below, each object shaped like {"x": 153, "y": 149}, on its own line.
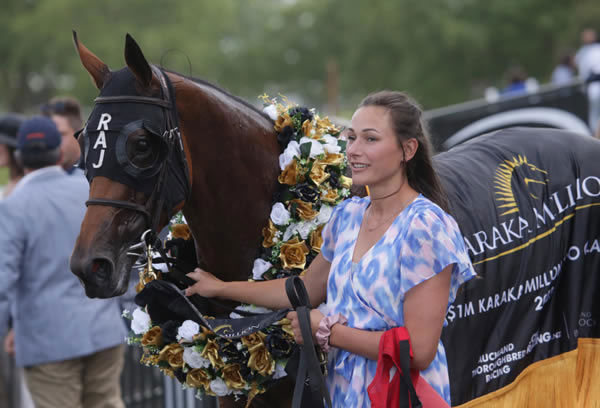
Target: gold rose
{"x": 305, "y": 209}
{"x": 167, "y": 352}
{"x": 325, "y": 123}
{"x": 333, "y": 159}
{"x": 211, "y": 352}
{"x": 282, "y": 121}
{"x": 289, "y": 174}
{"x": 316, "y": 240}
{"x": 153, "y": 337}
{"x": 268, "y": 234}
{"x": 261, "y": 360}
{"x": 318, "y": 173}
{"x": 306, "y": 128}
{"x": 346, "y": 182}
{"x": 198, "y": 378}
{"x": 176, "y": 358}
{"x": 331, "y": 196}
{"x": 232, "y": 377}
{"x": 253, "y": 339}
{"x": 203, "y": 335}
{"x": 293, "y": 254}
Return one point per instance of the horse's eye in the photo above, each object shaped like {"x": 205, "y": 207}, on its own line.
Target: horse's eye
{"x": 142, "y": 146}
{"x": 142, "y": 150}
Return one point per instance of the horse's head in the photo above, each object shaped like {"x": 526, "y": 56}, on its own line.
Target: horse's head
{"x": 129, "y": 147}
{"x": 533, "y": 179}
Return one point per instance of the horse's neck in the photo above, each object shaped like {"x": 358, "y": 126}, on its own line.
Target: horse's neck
{"x": 234, "y": 155}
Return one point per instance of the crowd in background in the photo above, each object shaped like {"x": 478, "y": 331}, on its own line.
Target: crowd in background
{"x": 582, "y": 65}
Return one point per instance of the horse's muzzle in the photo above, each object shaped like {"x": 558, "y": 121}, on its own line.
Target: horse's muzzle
{"x": 96, "y": 275}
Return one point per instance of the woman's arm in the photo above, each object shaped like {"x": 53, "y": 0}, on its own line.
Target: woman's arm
{"x": 270, "y": 294}
{"x": 424, "y": 313}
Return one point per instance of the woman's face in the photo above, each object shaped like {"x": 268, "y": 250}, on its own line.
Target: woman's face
{"x": 373, "y": 151}
{"x": 4, "y": 156}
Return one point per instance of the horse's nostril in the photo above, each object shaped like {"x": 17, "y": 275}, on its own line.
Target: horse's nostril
{"x": 101, "y": 269}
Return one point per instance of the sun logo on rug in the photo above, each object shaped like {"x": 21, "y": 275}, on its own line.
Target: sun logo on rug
{"x": 531, "y": 176}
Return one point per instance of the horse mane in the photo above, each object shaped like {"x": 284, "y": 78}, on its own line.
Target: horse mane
{"x": 223, "y": 91}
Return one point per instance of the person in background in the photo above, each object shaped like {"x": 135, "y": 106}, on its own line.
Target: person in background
{"x": 394, "y": 259}
{"x": 587, "y": 60}
{"x": 65, "y": 112}
{"x": 565, "y": 71}
{"x": 9, "y": 125}
{"x": 9, "y": 376}
{"x": 516, "y": 81}
{"x": 71, "y": 346}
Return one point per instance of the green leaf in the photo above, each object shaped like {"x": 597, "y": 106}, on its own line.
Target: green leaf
{"x": 305, "y": 150}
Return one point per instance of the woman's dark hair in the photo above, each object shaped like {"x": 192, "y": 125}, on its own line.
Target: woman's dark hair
{"x": 407, "y": 122}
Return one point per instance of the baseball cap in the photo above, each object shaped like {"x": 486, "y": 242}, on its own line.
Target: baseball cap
{"x": 38, "y": 134}
{"x": 9, "y": 126}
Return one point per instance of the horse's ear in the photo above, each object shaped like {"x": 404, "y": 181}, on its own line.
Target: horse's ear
{"x": 137, "y": 62}
{"x": 97, "y": 69}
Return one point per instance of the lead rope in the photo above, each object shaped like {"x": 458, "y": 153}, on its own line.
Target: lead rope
{"x": 309, "y": 372}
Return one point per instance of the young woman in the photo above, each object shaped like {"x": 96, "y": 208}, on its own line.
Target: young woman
{"x": 395, "y": 258}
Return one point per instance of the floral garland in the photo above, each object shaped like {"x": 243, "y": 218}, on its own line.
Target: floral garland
{"x": 311, "y": 183}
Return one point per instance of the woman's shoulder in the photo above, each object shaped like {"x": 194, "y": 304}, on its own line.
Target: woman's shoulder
{"x": 427, "y": 213}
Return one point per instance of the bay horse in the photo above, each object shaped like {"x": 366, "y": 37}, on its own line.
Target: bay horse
{"x": 525, "y": 200}
{"x": 231, "y": 184}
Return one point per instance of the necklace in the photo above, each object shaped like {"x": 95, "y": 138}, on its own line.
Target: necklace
{"x": 389, "y": 195}
{"x": 387, "y": 219}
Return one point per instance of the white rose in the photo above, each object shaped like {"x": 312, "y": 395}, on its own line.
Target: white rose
{"x": 260, "y": 267}
{"x": 279, "y": 215}
{"x": 305, "y": 228}
{"x": 279, "y": 370}
{"x": 141, "y": 321}
{"x": 329, "y": 139}
{"x": 324, "y": 214}
{"x": 292, "y": 150}
{"x": 331, "y": 144}
{"x": 188, "y": 330}
{"x": 290, "y": 231}
{"x": 271, "y": 111}
{"x": 332, "y": 148}
{"x": 316, "y": 148}
{"x": 194, "y": 359}
{"x": 219, "y": 387}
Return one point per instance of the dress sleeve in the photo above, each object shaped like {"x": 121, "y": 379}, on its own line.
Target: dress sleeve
{"x": 433, "y": 241}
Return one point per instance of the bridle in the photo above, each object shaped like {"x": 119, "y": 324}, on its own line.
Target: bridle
{"x": 172, "y": 140}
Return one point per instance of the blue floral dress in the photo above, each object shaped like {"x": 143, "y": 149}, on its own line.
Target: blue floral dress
{"x": 420, "y": 243}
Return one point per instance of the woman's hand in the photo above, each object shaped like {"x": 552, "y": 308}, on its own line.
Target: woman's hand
{"x": 207, "y": 284}
{"x": 315, "y": 318}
